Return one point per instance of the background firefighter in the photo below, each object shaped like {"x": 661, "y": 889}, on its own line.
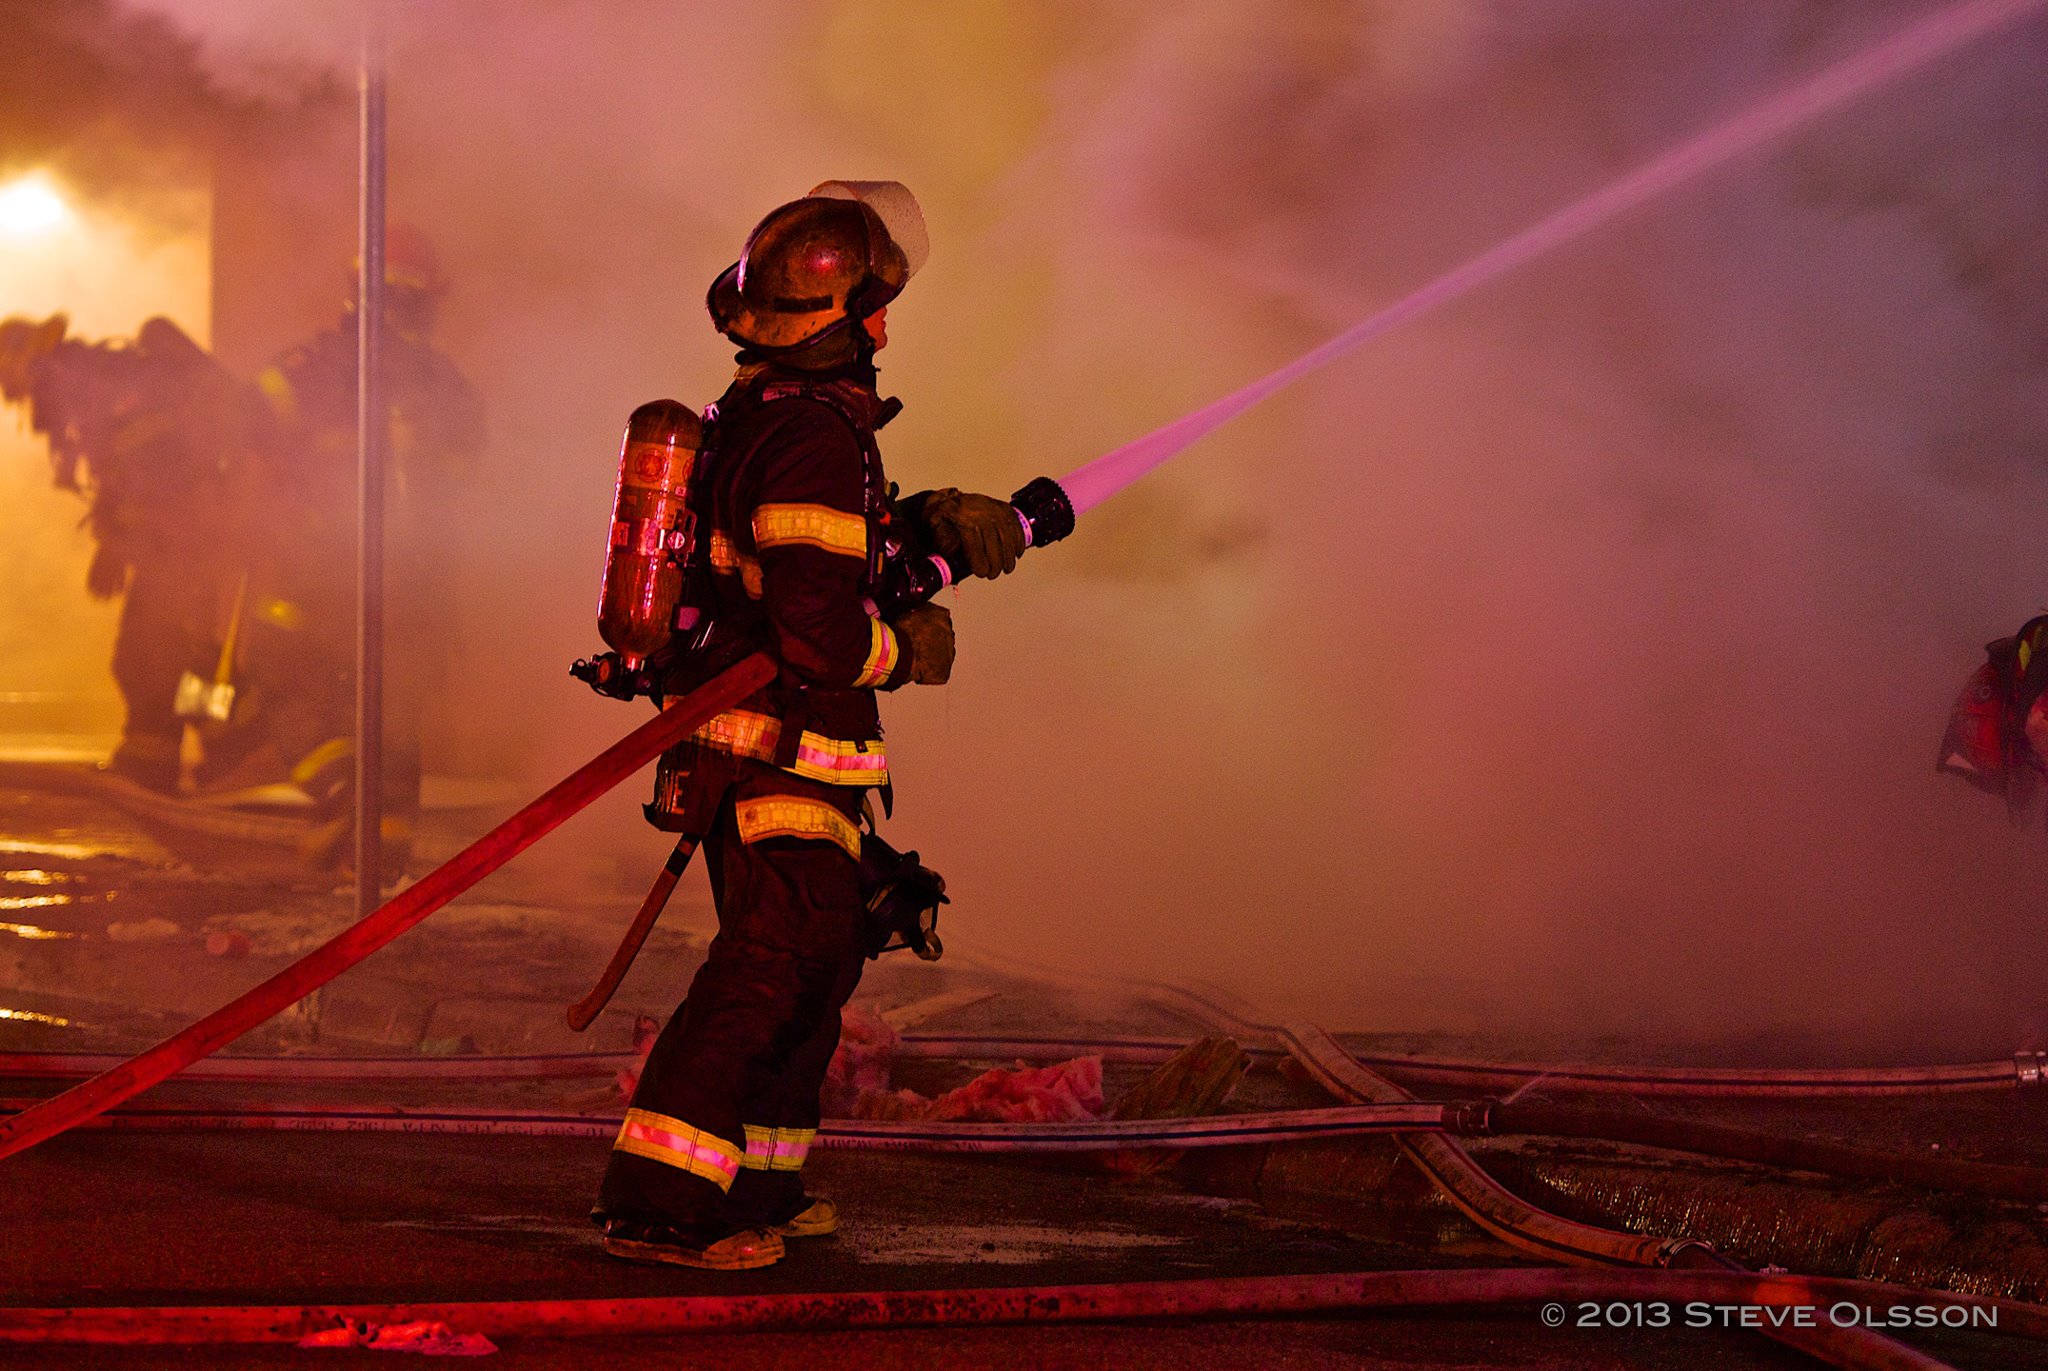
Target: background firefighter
{"x": 300, "y": 644}
{"x": 168, "y": 451}
{"x": 707, "y": 1169}
{"x": 1997, "y": 736}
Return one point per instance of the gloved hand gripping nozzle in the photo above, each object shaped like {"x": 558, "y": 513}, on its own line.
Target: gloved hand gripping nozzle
{"x": 1042, "y": 508}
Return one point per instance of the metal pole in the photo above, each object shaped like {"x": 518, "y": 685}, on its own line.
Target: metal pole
{"x": 373, "y": 433}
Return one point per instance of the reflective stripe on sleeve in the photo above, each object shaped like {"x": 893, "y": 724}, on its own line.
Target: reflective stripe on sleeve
{"x": 727, "y": 559}
{"x": 884, "y": 652}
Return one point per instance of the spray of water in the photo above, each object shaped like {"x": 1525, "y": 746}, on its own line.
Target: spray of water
{"x": 1916, "y": 46}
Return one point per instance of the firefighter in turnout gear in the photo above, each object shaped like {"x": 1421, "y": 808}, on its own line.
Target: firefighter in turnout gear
{"x": 707, "y": 1170}
{"x": 168, "y": 450}
{"x": 1997, "y": 736}
{"x": 301, "y": 624}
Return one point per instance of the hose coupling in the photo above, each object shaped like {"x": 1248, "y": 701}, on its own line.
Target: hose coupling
{"x": 1469, "y": 1118}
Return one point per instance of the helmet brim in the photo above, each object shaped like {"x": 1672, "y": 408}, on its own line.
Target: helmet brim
{"x": 777, "y": 331}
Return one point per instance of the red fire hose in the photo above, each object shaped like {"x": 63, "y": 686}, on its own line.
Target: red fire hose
{"x": 1835, "y": 1304}
{"x": 395, "y": 916}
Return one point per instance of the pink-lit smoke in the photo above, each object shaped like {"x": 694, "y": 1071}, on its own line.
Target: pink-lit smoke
{"x": 1921, "y": 43}
{"x": 1573, "y": 658}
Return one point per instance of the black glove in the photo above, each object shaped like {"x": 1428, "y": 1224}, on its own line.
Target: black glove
{"x": 927, "y": 632}
{"x": 981, "y": 530}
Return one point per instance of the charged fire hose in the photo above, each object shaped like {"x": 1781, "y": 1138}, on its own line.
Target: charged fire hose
{"x": 394, "y": 917}
{"x": 1350, "y": 1292}
{"x": 1522, "y": 1225}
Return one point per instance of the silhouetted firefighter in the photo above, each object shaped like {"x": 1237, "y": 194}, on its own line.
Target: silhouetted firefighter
{"x": 1997, "y": 736}
{"x": 300, "y": 651}
{"x": 168, "y": 451}
{"x": 768, "y": 528}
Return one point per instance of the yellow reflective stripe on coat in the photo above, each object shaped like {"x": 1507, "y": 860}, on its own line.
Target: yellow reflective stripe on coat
{"x": 884, "y": 652}
{"x": 660, "y": 1138}
{"x": 277, "y": 389}
{"x": 819, "y": 526}
{"x": 330, "y": 753}
{"x": 792, "y": 816}
{"x": 777, "y": 1149}
{"x": 835, "y": 761}
{"x": 727, "y": 559}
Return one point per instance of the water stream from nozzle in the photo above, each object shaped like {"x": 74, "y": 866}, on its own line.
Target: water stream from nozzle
{"x": 1915, "y": 46}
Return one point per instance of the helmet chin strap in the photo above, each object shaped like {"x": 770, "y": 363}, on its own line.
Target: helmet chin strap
{"x": 845, "y": 342}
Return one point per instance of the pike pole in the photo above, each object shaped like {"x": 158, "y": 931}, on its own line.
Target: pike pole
{"x": 395, "y": 916}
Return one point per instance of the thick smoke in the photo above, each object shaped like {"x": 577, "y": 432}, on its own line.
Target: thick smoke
{"x": 1573, "y": 660}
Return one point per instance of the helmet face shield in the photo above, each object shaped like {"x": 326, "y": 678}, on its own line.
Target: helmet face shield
{"x": 898, "y": 210}
{"x": 814, "y": 263}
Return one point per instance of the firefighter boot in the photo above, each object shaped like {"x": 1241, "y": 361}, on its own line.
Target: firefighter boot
{"x": 818, "y": 1218}
{"x": 716, "y": 1248}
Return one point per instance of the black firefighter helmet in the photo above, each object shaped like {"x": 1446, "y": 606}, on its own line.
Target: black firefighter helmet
{"x": 813, "y": 265}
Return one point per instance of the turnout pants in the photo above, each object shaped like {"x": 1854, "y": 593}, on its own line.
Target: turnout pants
{"x": 727, "y": 1105}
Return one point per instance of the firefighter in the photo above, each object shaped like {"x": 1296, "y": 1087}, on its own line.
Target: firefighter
{"x": 1997, "y": 736}
{"x": 707, "y": 1169}
{"x": 163, "y": 444}
{"x": 302, "y": 617}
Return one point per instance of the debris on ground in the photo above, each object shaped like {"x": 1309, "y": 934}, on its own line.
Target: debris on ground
{"x": 1197, "y": 1080}
{"x": 1065, "y": 1092}
{"x": 150, "y": 930}
{"x": 428, "y": 1337}
{"x": 230, "y": 943}
{"x": 862, "y": 1063}
{"x": 857, "y": 1084}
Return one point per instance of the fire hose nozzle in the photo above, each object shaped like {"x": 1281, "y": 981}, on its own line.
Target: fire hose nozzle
{"x": 1042, "y": 506}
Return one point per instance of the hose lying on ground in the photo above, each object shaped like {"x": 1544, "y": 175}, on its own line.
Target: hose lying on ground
{"x": 1212, "y": 1130}
{"x": 2025, "y": 1070}
{"x": 1223, "y": 1297}
{"x": 1541, "y": 1118}
{"x": 1523, "y": 1226}
{"x": 1463, "y": 1118}
{"x": 57, "y": 1066}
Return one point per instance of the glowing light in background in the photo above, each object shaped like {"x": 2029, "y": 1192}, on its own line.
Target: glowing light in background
{"x": 34, "y": 901}
{"x": 30, "y": 1016}
{"x": 31, "y": 206}
{"x": 107, "y": 265}
{"x": 36, "y": 932}
{"x": 36, "y": 876}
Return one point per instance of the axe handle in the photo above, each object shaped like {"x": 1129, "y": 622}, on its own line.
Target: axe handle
{"x": 587, "y": 1009}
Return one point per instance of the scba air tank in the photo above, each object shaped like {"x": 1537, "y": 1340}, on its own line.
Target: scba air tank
{"x": 651, "y": 530}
